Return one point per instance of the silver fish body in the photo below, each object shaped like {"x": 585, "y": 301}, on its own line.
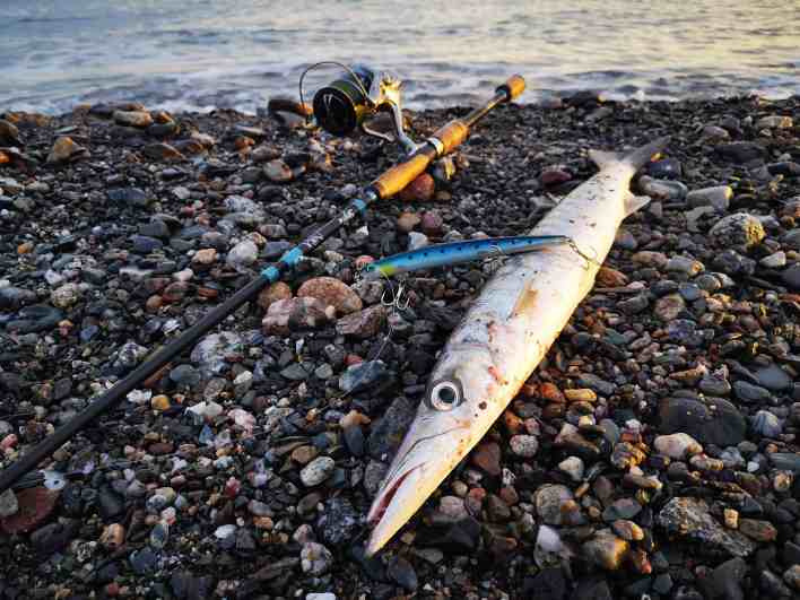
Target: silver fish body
{"x": 505, "y": 334}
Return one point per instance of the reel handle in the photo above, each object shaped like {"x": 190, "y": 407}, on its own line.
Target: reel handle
{"x": 444, "y": 141}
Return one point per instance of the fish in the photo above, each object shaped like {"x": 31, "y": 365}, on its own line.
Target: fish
{"x": 506, "y": 332}
{"x": 441, "y": 255}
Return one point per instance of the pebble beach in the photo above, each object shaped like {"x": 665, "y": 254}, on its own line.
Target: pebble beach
{"x": 654, "y": 454}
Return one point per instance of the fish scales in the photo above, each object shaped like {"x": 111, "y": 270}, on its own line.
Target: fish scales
{"x": 506, "y": 332}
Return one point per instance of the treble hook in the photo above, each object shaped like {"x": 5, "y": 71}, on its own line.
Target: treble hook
{"x": 396, "y": 297}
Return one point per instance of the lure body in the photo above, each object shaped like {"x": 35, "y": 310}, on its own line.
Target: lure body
{"x": 441, "y": 255}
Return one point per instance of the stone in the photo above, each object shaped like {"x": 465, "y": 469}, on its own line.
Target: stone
{"x": 549, "y": 501}
{"x": 741, "y": 152}
{"x": 34, "y": 506}
{"x": 760, "y": 531}
{"x": 421, "y": 189}
{"x": 691, "y": 518}
{"x": 748, "y": 392}
{"x": 242, "y": 255}
{"x": 792, "y": 577}
{"x": 774, "y": 378}
{"x": 573, "y": 466}
{"x": 278, "y": 171}
{"x": 775, "y": 122}
{"x": 65, "y": 296}
{"x": 12, "y": 298}
{"x": 331, "y": 292}
{"x": 677, "y": 445}
{"x": 716, "y": 421}
{"x": 289, "y": 314}
{"x": 138, "y": 119}
{"x": 718, "y": 196}
{"x": 66, "y": 150}
{"x": 407, "y": 221}
{"x": 725, "y": 582}
{"x": 387, "y": 433}
{"x": 9, "y": 134}
{"x": 8, "y": 504}
{"x": 279, "y": 290}
{"x": 487, "y": 457}
{"x": 264, "y": 153}
{"x": 363, "y": 376}
{"x": 363, "y": 324}
{"x": 791, "y": 276}
{"x": 338, "y": 523}
{"x": 317, "y": 471}
{"x": 627, "y": 530}
{"x": 668, "y": 307}
{"x": 766, "y": 424}
{"x": 431, "y": 223}
{"x": 402, "y": 573}
{"x": 315, "y": 559}
{"x": 524, "y": 445}
{"x": 738, "y": 229}
{"x": 605, "y": 550}
{"x": 664, "y": 190}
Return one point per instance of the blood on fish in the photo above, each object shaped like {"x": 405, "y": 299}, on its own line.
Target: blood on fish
{"x": 498, "y": 376}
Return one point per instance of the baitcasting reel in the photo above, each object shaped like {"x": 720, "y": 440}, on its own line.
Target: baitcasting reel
{"x": 355, "y": 97}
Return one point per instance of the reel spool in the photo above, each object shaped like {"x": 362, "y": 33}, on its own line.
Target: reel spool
{"x": 357, "y": 95}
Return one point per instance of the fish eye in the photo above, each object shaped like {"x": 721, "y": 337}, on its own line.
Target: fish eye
{"x": 445, "y": 395}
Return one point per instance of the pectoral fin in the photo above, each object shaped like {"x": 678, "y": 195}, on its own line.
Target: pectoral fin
{"x": 634, "y": 203}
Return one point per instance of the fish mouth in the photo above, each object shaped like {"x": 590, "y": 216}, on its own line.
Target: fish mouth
{"x": 386, "y": 496}
{"x": 406, "y": 488}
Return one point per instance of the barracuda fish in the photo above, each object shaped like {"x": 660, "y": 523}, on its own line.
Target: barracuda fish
{"x": 452, "y": 253}
{"x": 505, "y": 334}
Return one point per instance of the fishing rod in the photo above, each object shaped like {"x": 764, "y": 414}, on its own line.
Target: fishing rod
{"x": 392, "y": 181}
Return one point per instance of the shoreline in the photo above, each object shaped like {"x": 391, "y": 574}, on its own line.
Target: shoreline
{"x": 133, "y": 230}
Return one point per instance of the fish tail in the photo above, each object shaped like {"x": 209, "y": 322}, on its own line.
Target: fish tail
{"x": 636, "y": 158}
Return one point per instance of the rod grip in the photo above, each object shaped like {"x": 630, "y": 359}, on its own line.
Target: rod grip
{"x": 452, "y": 135}
{"x": 513, "y": 87}
{"x": 398, "y": 177}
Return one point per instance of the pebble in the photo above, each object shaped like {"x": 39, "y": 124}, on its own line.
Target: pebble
{"x": 739, "y": 228}
{"x": 289, "y": 314}
{"x": 139, "y": 119}
{"x": 718, "y": 196}
{"x": 524, "y": 445}
{"x": 317, "y": 471}
{"x": 628, "y": 530}
{"x": 315, "y": 559}
{"x": 66, "y": 150}
{"x": 8, "y": 504}
{"x": 278, "y": 171}
{"x": 677, "y": 445}
{"x": 549, "y": 500}
{"x": 766, "y": 424}
{"x": 572, "y": 466}
{"x": 331, "y": 292}
{"x": 691, "y": 518}
{"x": 760, "y": 531}
{"x": 605, "y": 550}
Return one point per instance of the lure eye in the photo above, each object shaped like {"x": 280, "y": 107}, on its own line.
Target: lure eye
{"x": 445, "y": 395}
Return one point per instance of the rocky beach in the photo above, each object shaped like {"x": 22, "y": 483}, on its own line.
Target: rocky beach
{"x": 655, "y": 454}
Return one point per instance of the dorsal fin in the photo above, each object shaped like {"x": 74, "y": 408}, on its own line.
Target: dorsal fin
{"x": 636, "y": 158}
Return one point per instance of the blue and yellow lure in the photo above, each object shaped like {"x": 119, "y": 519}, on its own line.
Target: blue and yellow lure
{"x": 441, "y": 255}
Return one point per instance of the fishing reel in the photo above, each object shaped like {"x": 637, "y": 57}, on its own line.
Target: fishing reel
{"x": 354, "y": 98}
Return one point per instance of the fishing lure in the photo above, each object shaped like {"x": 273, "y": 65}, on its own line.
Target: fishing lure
{"x": 452, "y": 253}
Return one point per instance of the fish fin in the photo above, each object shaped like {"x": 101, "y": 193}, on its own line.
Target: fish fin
{"x": 603, "y": 158}
{"x": 634, "y": 203}
{"x": 636, "y": 158}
